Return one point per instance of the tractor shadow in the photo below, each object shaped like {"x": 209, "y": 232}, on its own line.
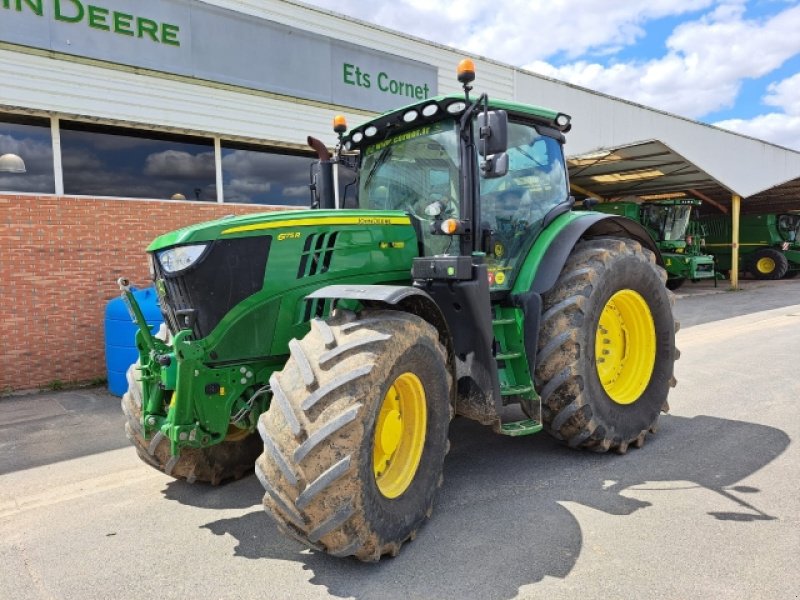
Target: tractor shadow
{"x": 499, "y": 524}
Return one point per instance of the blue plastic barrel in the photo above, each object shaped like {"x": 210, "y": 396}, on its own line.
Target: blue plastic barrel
{"x": 121, "y": 350}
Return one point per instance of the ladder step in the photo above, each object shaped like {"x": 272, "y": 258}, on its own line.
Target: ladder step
{"x": 508, "y": 355}
{"x": 515, "y": 390}
{"x": 518, "y": 428}
{"x": 496, "y": 322}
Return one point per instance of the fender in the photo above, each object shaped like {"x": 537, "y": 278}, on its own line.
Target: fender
{"x": 404, "y": 297}
{"x": 591, "y": 225}
{"x": 537, "y": 277}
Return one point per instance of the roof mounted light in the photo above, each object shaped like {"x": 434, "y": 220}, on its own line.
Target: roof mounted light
{"x": 466, "y": 71}
{"x": 357, "y": 137}
{"x": 562, "y": 121}
{"x": 410, "y": 115}
{"x": 370, "y": 131}
{"x": 339, "y": 124}
{"x": 430, "y": 110}
{"x": 456, "y": 107}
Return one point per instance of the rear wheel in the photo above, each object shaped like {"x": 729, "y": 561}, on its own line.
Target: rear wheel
{"x": 606, "y": 347}
{"x": 768, "y": 263}
{"x": 355, "y": 439}
{"x": 230, "y": 459}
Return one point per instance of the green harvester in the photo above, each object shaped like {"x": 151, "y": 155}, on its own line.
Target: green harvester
{"x": 769, "y": 247}
{"x": 440, "y": 272}
{"x": 679, "y": 237}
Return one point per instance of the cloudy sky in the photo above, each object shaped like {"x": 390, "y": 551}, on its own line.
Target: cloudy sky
{"x": 732, "y": 63}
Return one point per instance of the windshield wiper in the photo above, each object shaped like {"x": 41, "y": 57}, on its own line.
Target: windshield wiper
{"x": 382, "y": 158}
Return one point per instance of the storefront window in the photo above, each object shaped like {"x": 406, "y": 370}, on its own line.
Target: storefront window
{"x": 113, "y": 161}
{"x": 26, "y": 155}
{"x": 255, "y": 175}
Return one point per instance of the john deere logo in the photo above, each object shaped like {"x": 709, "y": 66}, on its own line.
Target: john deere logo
{"x": 100, "y": 18}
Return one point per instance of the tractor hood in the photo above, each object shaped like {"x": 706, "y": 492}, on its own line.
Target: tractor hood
{"x": 259, "y": 224}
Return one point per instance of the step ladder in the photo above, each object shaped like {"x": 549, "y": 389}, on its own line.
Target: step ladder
{"x": 513, "y": 370}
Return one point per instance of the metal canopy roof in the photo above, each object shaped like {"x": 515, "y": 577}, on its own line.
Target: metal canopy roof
{"x": 651, "y": 168}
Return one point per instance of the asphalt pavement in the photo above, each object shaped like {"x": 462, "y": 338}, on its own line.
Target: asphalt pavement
{"x": 707, "y": 509}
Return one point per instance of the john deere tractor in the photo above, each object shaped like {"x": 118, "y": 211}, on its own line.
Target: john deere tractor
{"x": 679, "y": 237}
{"x": 331, "y": 347}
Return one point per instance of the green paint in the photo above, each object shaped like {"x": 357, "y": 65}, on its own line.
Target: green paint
{"x": 122, "y": 23}
{"x": 353, "y": 75}
{"x": 756, "y": 232}
{"x": 147, "y": 26}
{"x": 169, "y": 34}
{"x": 73, "y": 18}
{"x": 101, "y": 19}
{"x": 678, "y": 237}
{"x": 224, "y": 375}
{"x": 35, "y": 6}
{"x": 97, "y": 17}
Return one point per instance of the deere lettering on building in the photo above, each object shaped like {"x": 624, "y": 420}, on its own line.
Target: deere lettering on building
{"x": 100, "y": 18}
{"x": 195, "y": 39}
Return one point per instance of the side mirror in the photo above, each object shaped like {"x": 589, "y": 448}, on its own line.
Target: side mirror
{"x": 495, "y": 165}
{"x": 493, "y": 132}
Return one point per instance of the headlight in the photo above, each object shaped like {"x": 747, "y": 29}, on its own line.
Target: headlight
{"x": 180, "y": 257}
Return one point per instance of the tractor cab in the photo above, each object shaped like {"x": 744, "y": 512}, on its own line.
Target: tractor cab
{"x": 477, "y": 178}
{"x": 669, "y": 221}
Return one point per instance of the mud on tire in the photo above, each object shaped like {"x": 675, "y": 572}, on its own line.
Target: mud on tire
{"x": 214, "y": 465}
{"x": 575, "y": 405}
{"x": 317, "y": 467}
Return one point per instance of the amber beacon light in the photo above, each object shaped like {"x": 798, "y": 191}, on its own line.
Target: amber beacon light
{"x": 339, "y": 124}
{"x": 466, "y": 71}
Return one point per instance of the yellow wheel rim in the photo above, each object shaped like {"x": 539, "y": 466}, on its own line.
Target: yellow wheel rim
{"x": 765, "y": 265}
{"x": 625, "y": 346}
{"x": 399, "y": 435}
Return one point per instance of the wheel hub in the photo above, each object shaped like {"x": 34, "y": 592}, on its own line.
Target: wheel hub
{"x": 625, "y": 346}
{"x": 765, "y": 265}
{"x": 399, "y": 437}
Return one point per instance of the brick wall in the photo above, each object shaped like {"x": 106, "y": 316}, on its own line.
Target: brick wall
{"x": 60, "y": 258}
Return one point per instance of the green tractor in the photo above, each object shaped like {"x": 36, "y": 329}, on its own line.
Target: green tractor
{"x": 769, "y": 247}
{"x": 680, "y": 238}
{"x": 331, "y": 347}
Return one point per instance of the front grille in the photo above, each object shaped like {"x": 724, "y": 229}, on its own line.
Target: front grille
{"x": 228, "y": 272}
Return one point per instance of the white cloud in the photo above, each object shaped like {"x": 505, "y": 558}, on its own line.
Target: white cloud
{"x": 518, "y": 31}
{"x": 779, "y": 127}
{"x": 706, "y": 61}
{"x": 241, "y": 189}
{"x": 179, "y": 164}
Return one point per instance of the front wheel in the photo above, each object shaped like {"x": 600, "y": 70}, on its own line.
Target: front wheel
{"x": 355, "y": 439}
{"x": 606, "y": 347}
{"x": 768, "y": 263}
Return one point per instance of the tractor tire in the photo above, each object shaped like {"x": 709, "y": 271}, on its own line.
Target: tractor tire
{"x": 768, "y": 263}
{"x": 355, "y": 439}
{"x": 606, "y": 347}
{"x": 676, "y": 282}
{"x": 216, "y": 464}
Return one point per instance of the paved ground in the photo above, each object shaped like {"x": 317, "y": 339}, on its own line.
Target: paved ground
{"x": 707, "y": 509}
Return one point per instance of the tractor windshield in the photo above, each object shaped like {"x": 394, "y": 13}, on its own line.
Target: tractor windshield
{"x": 413, "y": 171}
{"x": 515, "y": 205}
{"x": 668, "y": 222}
{"x": 789, "y": 227}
